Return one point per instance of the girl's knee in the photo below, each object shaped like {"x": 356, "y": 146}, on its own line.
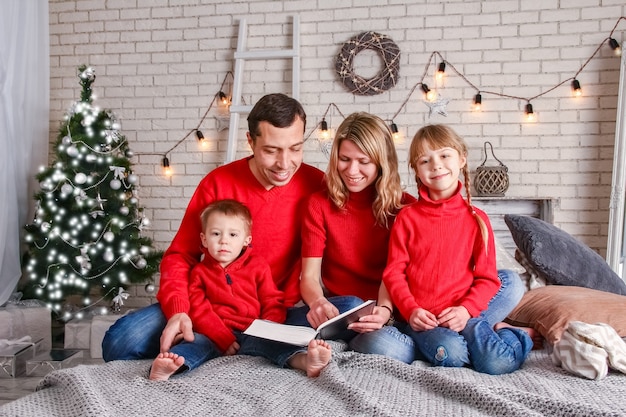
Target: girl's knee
{"x": 449, "y": 351}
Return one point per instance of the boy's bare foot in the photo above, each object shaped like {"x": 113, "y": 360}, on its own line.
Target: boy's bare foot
{"x": 317, "y": 357}
{"x": 165, "y": 365}
{"x": 536, "y": 337}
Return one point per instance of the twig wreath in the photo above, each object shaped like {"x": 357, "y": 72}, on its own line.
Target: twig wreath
{"x": 385, "y": 79}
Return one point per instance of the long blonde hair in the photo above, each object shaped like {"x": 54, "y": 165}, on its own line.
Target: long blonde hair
{"x": 374, "y": 138}
{"x": 442, "y": 136}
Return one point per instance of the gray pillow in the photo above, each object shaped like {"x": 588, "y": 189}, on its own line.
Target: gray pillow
{"x": 561, "y": 258}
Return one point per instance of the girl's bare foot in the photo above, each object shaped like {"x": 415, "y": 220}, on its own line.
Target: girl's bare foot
{"x": 534, "y": 334}
{"x": 317, "y": 357}
{"x": 165, "y": 365}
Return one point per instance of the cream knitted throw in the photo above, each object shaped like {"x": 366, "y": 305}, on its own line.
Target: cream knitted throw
{"x": 352, "y": 385}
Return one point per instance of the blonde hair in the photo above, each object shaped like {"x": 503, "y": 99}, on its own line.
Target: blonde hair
{"x": 374, "y": 138}
{"x": 442, "y": 136}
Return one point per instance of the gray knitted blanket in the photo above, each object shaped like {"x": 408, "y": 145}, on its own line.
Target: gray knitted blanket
{"x": 352, "y": 385}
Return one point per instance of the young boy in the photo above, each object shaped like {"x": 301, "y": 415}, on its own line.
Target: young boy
{"x": 228, "y": 289}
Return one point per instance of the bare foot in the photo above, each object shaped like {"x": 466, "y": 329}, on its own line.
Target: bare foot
{"x": 317, "y": 357}
{"x": 536, "y": 337}
{"x": 165, "y": 365}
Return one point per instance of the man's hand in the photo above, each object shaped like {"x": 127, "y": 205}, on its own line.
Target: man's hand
{"x": 178, "y": 327}
{"x": 320, "y": 311}
{"x": 454, "y": 318}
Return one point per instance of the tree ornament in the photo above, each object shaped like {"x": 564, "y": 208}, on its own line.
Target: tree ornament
{"x": 80, "y": 178}
{"x": 150, "y": 288}
{"x": 115, "y": 184}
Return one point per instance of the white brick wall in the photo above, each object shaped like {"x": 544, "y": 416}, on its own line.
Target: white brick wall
{"x": 159, "y": 64}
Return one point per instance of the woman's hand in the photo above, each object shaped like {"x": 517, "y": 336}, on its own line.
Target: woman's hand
{"x": 421, "y": 320}
{"x": 454, "y": 318}
{"x": 375, "y": 321}
{"x": 320, "y": 311}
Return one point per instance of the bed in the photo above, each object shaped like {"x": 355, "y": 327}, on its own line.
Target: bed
{"x": 355, "y": 384}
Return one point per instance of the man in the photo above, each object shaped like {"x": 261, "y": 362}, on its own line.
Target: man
{"x": 274, "y": 184}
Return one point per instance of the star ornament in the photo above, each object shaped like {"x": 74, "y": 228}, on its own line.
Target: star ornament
{"x": 437, "y": 106}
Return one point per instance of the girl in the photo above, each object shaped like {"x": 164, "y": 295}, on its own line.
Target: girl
{"x": 441, "y": 270}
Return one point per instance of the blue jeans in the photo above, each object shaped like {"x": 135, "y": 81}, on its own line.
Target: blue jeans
{"x": 477, "y": 345}
{"x": 137, "y": 336}
{"x": 393, "y": 342}
{"x": 203, "y": 349}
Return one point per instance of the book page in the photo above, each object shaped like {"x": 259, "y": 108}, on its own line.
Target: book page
{"x": 294, "y": 335}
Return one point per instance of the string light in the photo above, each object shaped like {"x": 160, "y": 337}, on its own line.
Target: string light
{"x": 530, "y": 114}
{"x": 429, "y": 94}
{"x": 223, "y": 98}
{"x": 617, "y": 50}
{"x": 441, "y": 71}
{"x": 324, "y": 132}
{"x": 478, "y": 100}
{"x": 167, "y": 170}
{"x": 394, "y": 132}
{"x": 201, "y": 140}
{"x": 576, "y": 90}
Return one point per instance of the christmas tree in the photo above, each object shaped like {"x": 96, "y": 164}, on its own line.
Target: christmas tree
{"x": 86, "y": 237}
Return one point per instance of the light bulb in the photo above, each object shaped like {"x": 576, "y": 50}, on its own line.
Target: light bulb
{"x": 576, "y": 90}
{"x": 441, "y": 71}
{"x": 530, "y": 114}
{"x": 478, "y": 100}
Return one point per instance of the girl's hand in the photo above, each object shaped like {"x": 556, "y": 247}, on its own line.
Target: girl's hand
{"x": 421, "y": 320}
{"x": 371, "y": 322}
{"x": 232, "y": 349}
{"x": 454, "y": 318}
{"x": 320, "y": 311}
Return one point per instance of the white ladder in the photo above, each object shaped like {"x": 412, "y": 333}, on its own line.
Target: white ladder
{"x": 241, "y": 55}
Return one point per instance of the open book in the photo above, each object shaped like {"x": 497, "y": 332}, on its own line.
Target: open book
{"x": 302, "y": 335}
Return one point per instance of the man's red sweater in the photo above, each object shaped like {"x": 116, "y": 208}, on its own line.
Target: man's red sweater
{"x": 276, "y": 223}
{"x": 437, "y": 257}
{"x": 352, "y": 246}
{"x": 227, "y": 299}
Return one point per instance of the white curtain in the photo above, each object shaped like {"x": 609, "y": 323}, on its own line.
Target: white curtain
{"x": 24, "y": 119}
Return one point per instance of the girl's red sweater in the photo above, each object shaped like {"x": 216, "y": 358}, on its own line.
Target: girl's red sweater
{"x": 437, "y": 257}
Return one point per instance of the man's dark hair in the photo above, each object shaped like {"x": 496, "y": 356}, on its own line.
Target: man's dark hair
{"x": 277, "y": 109}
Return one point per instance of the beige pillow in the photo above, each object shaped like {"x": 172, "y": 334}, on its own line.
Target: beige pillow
{"x": 549, "y": 309}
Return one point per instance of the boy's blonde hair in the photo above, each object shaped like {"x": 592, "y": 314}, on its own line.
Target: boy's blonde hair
{"x": 442, "y": 136}
{"x": 228, "y": 207}
{"x": 374, "y": 138}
